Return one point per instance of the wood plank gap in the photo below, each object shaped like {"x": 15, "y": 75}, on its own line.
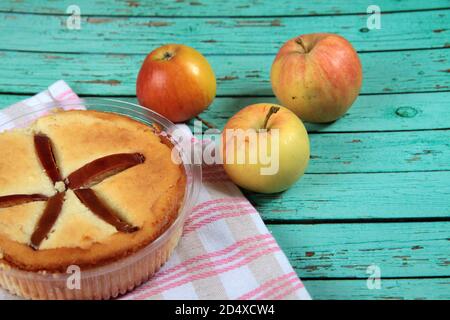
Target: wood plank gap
{"x": 221, "y": 95}
{"x": 444, "y": 47}
{"x": 224, "y": 16}
{"x": 382, "y": 278}
{"x": 376, "y": 131}
{"x": 355, "y": 221}
{"x": 374, "y": 172}
{"x": 361, "y": 94}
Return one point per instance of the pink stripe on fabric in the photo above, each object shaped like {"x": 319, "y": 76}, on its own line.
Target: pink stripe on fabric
{"x": 215, "y": 201}
{"x": 219, "y": 202}
{"x": 211, "y": 174}
{"x": 209, "y": 273}
{"x": 63, "y": 94}
{"x": 265, "y": 286}
{"x": 212, "y": 264}
{"x": 204, "y": 213}
{"x": 214, "y": 173}
{"x": 215, "y": 177}
{"x": 212, "y": 219}
{"x": 215, "y": 181}
{"x": 286, "y": 293}
{"x": 215, "y": 254}
{"x": 68, "y": 97}
{"x": 285, "y": 284}
{"x": 213, "y": 168}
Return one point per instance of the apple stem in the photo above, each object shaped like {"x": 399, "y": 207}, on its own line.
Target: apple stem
{"x": 300, "y": 42}
{"x": 206, "y": 123}
{"x": 272, "y": 110}
{"x": 167, "y": 55}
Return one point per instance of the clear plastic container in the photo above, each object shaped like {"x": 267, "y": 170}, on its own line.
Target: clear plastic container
{"x": 117, "y": 278}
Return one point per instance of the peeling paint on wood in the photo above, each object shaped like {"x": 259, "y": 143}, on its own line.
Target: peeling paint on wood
{"x": 108, "y": 82}
{"x": 353, "y": 263}
{"x": 391, "y": 289}
{"x": 207, "y": 8}
{"x": 359, "y": 196}
{"x": 18, "y": 68}
{"x": 237, "y": 35}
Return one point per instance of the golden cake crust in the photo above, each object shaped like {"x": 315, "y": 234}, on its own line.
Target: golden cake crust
{"x": 147, "y": 196}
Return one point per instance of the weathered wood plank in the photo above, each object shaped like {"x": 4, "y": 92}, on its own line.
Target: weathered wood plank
{"x": 380, "y": 152}
{"x": 113, "y": 75}
{"x": 392, "y": 289}
{"x": 218, "y": 35}
{"x": 356, "y": 196}
{"x": 416, "y": 111}
{"x": 369, "y": 113}
{"x": 230, "y": 8}
{"x": 346, "y": 250}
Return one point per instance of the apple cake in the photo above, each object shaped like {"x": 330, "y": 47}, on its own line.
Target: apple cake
{"x": 84, "y": 188}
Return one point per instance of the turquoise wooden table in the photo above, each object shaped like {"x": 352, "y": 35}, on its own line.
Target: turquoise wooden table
{"x": 376, "y": 195}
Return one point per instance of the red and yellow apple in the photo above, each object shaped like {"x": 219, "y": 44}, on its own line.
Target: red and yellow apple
{"x": 268, "y": 129}
{"x": 318, "y": 76}
{"x": 176, "y": 81}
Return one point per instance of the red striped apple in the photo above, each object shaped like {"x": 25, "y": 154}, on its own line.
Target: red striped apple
{"x": 318, "y": 76}
{"x": 176, "y": 81}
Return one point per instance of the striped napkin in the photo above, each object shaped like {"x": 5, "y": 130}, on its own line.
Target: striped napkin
{"x": 226, "y": 251}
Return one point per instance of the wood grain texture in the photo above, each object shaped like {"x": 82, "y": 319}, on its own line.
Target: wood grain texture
{"x": 230, "y": 8}
{"x": 399, "y": 112}
{"x": 346, "y": 250}
{"x": 114, "y": 75}
{"x": 379, "y": 152}
{"x": 391, "y": 289}
{"x": 359, "y": 196}
{"x": 218, "y": 36}
{"x": 368, "y": 113}
{"x": 416, "y": 111}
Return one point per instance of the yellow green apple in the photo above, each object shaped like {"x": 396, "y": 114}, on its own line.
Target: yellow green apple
{"x": 265, "y": 148}
{"x": 318, "y": 76}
